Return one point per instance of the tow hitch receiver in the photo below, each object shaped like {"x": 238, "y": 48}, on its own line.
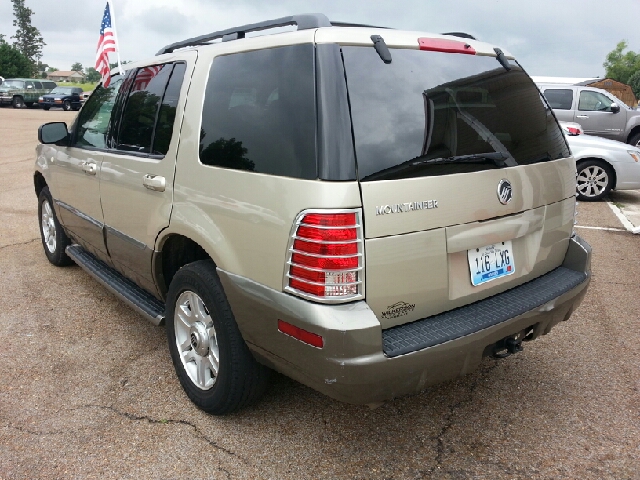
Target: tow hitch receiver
{"x": 508, "y": 346}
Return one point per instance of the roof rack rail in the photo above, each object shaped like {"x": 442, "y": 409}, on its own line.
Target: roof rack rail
{"x": 304, "y": 22}
{"x": 347, "y": 24}
{"x": 460, "y": 34}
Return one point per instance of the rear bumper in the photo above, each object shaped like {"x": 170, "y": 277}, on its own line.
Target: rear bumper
{"x": 360, "y": 363}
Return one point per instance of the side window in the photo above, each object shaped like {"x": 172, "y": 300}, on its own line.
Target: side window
{"x": 142, "y": 107}
{"x": 28, "y": 85}
{"x": 167, "y": 115}
{"x": 560, "y": 99}
{"x": 594, "y": 102}
{"x": 259, "y": 112}
{"x": 94, "y": 118}
{"x": 50, "y": 85}
{"x": 38, "y": 85}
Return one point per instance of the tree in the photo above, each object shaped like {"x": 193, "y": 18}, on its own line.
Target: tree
{"x": 52, "y": 69}
{"x": 620, "y": 65}
{"x": 77, "y": 67}
{"x": 27, "y": 38}
{"x": 13, "y": 63}
{"x": 634, "y": 83}
{"x": 93, "y": 76}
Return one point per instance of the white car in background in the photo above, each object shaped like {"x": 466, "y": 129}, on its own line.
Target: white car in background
{"x": 603, "y": 165}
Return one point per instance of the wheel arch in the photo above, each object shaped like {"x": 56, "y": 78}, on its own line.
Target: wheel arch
{"x": 602, "y": 160}
{"x": 634, "y": 131}
{"x": 39, "y": 182}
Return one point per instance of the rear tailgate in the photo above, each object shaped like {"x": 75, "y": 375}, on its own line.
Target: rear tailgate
{"x": 416, "y": 259}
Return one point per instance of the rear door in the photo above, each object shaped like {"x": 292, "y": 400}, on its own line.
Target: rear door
{"x": 466, "y": 179}
{"x": 137, "y": 173}
{"x": 562, "y": 101}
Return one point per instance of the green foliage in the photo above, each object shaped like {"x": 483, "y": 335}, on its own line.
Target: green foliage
{"x": 620, "y": 65}
{"x": 77, "y": 67}
{"x": 52, "y": 69}
{"x": 93, "y": 76}
{"x": 634, "y": 83}
{"x": 27, "y": 38}
{"x": 13, "y": 63}
{"x": 86, "y": 87}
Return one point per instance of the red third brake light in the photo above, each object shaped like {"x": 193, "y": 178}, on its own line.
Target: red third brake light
{"x": 445, "y": 45}
{"x": 325, "y": 261}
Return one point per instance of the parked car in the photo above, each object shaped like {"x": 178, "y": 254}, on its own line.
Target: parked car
{"x": 597, "y": 111}
{"x": 367, "y": 218}
{"x": 603, "y": 165}
{"x": 24, "y": 91}
{"x": 67, "y": 98}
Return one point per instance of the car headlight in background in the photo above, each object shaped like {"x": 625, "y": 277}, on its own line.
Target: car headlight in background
{"x": 635, "y": 154}
{"x": 40, "y": 99}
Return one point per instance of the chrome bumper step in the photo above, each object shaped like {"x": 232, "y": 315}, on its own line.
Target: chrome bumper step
{"x": 137, "y": 298}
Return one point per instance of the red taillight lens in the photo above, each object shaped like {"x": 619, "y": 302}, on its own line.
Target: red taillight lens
{"x": 300, "y": 334}
{"x": 445, "y": 45}
{"x": 326, "y": 256}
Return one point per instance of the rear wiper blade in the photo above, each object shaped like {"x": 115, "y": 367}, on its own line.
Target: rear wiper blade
{"x": 499, "y": 159}
{"x": 500, "y": 56}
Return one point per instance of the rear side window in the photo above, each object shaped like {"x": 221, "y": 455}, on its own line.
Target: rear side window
{"x": 141, "y": 108}
{"x": 434, "y": 113}
{"x": 49, "y": 85}
{"x": 560, "y": 99}
{"x": 259, "y": 112}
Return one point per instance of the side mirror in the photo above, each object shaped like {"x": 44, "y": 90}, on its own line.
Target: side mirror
{"x": 54, "y": 132}
{"x": 29, "y": 86}
{"x": 615, "y": 108}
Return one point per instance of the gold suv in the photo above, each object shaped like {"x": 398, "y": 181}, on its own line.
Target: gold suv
{"x": 368, "y": 211}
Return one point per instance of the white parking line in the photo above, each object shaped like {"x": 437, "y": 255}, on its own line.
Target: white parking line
{"x": 602, "y": 228}
{"x": 625, "y": 222}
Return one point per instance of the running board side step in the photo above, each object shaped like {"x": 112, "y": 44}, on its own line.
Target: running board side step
{"x": 137, "y": 298}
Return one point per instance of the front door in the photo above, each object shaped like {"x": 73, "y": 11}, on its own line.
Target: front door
{"x": 76, "y": 172}
{"x": 597, "y": 118}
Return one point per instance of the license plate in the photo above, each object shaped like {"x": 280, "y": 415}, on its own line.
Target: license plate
{"x": 491, "y": 262}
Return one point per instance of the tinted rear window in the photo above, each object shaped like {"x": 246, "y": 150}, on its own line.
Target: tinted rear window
{"x": 259, "y": 112}
{"x": 432, "y": 113}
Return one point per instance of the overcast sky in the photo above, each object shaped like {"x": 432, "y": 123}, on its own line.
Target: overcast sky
{"x": 549, "y": 37}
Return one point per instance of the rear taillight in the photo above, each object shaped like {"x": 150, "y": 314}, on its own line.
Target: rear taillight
{"x": 325, "y": 256}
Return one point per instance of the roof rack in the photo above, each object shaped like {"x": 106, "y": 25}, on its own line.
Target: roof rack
{"x": 304, "y": 22}
{"x": 460, "y": 35}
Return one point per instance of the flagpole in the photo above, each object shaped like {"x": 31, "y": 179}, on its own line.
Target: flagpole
{"x": 115, "y": 33}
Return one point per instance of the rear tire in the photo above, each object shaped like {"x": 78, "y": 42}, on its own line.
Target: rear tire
{"x": 595, "y": 180}
{"x": 46, "y": 108}
{"x": 66, "y": 106}
{"x": 213, "y": 363}
{"x": 17, "y": 102}
{"x": 54, "y": 238}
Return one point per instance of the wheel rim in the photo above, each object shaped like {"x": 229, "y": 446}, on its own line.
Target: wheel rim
{"x": 48, "y": 226}
{"x": 592, "y": 181}
{"x": 196, "y": 340}
{"x": 67, "y": 105}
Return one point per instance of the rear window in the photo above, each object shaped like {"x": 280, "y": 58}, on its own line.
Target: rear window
{"x": 433, "y": 113}
{"x": 259, "y": 112}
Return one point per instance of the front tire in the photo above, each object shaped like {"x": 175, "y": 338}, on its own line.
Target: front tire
{"x": 17, "y": 102}
{"x": 46, "y": 108}
{"x": 213, "y": 363}
{"x": 635, "y": 140}
{"x": 595, "y": 180}
{"x": 54, "y": 238}
{"x": 66, "y": 105}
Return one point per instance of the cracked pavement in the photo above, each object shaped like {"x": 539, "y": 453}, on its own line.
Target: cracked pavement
{"x": 87, "y": 388}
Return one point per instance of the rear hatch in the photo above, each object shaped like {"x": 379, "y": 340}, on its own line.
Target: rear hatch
{"x": 466, "y": 179}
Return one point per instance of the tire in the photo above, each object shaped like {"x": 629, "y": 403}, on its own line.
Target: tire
{"x": 29, "y": 104}
{"x": 635, "y": 140}
{"x": 46, "y": 108}
{"x": 213, "y": 363}
{"x": 54, "y": 239}
{"x": 17, "y": 102}
{"x": 594, "y": 181}
{"x": 66, "y": 105}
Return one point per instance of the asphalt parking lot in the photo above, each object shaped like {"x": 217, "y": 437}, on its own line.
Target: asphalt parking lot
{"x": 87, "y": 388}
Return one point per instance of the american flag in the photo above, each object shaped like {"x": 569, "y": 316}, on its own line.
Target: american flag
{"x": 144, "y": 76}
{"x": 106, "y": 45}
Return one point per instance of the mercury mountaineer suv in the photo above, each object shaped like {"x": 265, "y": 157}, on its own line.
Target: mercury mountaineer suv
{"x": 368, "y": 211}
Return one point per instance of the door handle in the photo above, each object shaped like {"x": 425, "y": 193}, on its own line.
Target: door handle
{"x": 154, "y": 182}
{"x": 582, "y": 116}
{"x": 90, "y": 168}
